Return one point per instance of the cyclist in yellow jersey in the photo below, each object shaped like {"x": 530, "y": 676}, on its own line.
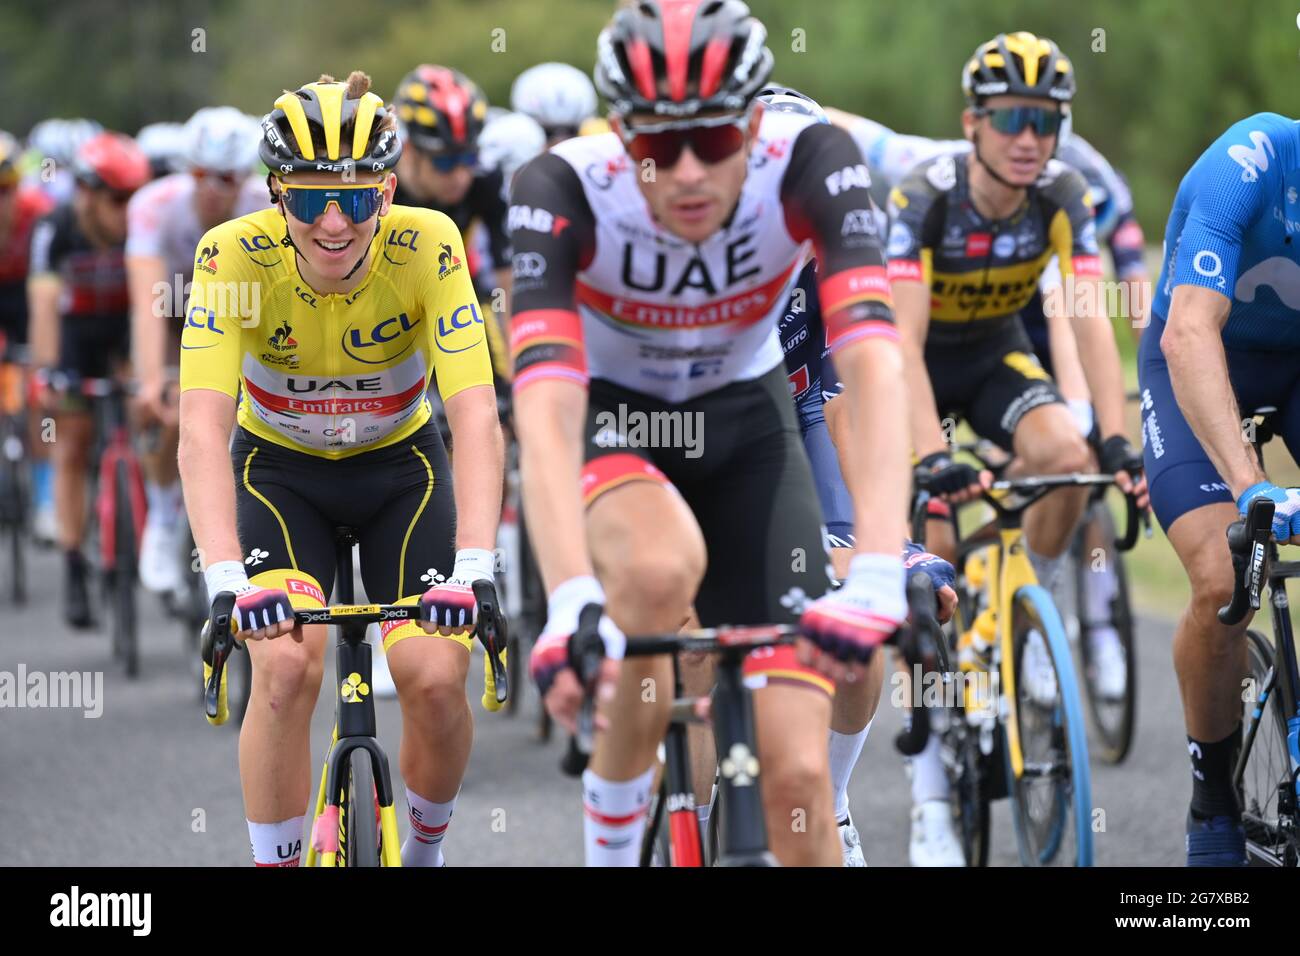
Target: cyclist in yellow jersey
{"x": 331, "y": 313}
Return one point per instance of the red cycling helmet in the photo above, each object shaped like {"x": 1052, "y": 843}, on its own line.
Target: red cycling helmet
{"x": 681, "y": 57}
{"x": 111, "y": 161}
{"x": 441, "y": 110}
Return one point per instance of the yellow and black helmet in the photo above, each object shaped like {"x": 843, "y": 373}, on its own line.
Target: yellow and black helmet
{"x": 10, "y": 154}
{"x": 352, "y": 131}
{"x": 1018, "y": 64}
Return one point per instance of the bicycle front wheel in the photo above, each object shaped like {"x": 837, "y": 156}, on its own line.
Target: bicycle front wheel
{"x": 124, "y": 573}
{"x": 1112, "y": 709}
{"x": 1051, "y": 800}
{"x": 1267, "y": 761}
{"x": 359, "y": 814}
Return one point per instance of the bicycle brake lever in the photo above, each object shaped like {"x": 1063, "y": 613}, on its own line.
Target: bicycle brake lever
{"x": 491, "y": 628}
{"x": 218, "y": 641}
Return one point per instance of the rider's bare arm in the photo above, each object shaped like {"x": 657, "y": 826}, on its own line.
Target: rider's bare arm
{"x": 207, "y": 419}
{"x": 148, "y": 329}
{"x": 1098, "y": 354}
{"x": 43, "y": 319}
{"x": 912, "y": 313}
{"x": 550, "y": 381}
{"x": 477, "y": 466}
{"x": 1198, "y": 368}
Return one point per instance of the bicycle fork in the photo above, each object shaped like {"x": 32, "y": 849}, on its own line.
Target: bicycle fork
{"x": 354, "y": 728}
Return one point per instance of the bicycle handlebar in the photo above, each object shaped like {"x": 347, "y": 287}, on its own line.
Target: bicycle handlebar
{"x": 219, "y": 642}
{"x": 921, "y": 642}
{"x": 1248, "y": 540}
{"x": 1031, "y": 488}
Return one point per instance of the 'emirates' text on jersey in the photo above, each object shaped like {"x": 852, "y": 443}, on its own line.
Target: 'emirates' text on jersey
{"x": 602, "y": 290}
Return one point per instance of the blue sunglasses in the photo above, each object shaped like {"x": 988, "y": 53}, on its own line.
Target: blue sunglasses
{"x": 1012, "y": 120}
{"x": 308, "y": 203}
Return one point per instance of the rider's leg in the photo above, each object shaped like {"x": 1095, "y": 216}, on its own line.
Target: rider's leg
{"x": 1047, "y": 442}
{"x": 649, "y": 555}
{"x": 73, "y": 432}
{"x": 1210, "y": 659}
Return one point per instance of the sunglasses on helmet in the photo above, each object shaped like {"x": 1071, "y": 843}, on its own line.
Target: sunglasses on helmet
{"x": 307, "y": 203}
{"x": 711, "y": 140}
{"x": 1012, "y": 120}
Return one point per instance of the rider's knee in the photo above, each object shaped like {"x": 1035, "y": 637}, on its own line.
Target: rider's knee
{"x": 437, "y": 692}
{"x": 1210, "y": 576}
{"x": 654, "y": 580}
{"x": 796, "y": 783}
{"x": 1064, "y": 452}
{"x": 290, "y": 672}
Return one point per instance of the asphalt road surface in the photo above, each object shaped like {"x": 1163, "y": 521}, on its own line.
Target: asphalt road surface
{"x": 149, "y": 782}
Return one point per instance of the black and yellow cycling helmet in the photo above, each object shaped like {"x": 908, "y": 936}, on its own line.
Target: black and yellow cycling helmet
{"x": 1018, "y": 64}
{"x": 321, "y": 128}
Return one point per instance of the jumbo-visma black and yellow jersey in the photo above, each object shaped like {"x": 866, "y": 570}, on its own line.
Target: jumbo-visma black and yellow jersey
{"x": 334, "y": 375}
{"x": 982, "y": 272}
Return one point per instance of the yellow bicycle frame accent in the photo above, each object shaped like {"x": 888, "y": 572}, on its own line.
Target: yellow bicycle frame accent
{"x": 390, "y": 851}
{"x": 1014, "y": 572}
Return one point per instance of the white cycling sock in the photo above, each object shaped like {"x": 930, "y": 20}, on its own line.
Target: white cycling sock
{"x": 163, "y": 502}
{"x": 429, "y": 821}
{"x": 929, "y": 782}
{"x": 614, "y": 818}
{"x": 276, "y": 844}
{"x": 1047, "y": 570}
{"x": 1099, "y": 588}
{"x": 845, "y": 750}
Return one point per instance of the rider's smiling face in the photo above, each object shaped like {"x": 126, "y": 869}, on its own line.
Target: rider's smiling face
{"x": 692, "y": 198}
{"x": 332, "y": 244}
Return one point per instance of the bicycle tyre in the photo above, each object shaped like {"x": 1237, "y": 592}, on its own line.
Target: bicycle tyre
{"x": 124, "y": 573}
{"x": 18, "y": 564}
{"x": 359, "y": 842}
{"x": 1112, "y": 720}
{"x": 969, "y": 796}
{"x": 1266, "y": 763}
{"x": 1071, "y": 799}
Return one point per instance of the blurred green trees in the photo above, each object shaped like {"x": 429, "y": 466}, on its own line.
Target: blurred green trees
{"x": 1158, "y": 80}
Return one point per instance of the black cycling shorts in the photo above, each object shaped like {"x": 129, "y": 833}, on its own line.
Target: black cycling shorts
{"x": 398, "y": 500}
{"x": 94, "y": 346}
{"x": 736, "y": 456}
{"x": 992, "y": 382}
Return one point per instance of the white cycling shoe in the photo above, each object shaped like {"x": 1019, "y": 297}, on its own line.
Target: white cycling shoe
{"x": 159, "y": 571}
{"x": 850, "y": 844}
{"x": 934, "y": 842}
{"x": 1036, "y": 670}
{"x": 1109, "y": 670}
{"x": 45, "y": 524}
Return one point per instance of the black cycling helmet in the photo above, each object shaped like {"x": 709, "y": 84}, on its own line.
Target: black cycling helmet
{"x": 681, "y": 57}
{"x": 353, "y": 131}
{"x": 1018, "y": 64}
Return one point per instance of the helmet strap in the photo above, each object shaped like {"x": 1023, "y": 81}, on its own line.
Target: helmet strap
{"x": 975, "y": 140}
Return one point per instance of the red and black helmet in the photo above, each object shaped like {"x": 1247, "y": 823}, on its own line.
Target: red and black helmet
{"x": 680, "y": 57}
{"x": 111, "y": 161}
{"x": 440, "y": 109}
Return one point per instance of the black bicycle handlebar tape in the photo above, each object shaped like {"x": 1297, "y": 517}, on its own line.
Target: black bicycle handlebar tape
{"x": 1131, "y": 522}
{"x": 586, "y": 652}
{"x": 1248, "y": 543}
{"x": 918, "y": 647}
{"x": 218, "y": 643}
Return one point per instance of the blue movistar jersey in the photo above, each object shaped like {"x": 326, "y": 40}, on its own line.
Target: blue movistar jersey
{"x": 1231, "y": 230}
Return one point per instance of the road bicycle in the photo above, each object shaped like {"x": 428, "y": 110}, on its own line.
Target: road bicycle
{"x": 1093, "y": 562}
{"x": 1008, "y": 734}
{"x": 737, "y": 830}
{"x": 355, "y": 821}
{"x": 1266, "y": 777}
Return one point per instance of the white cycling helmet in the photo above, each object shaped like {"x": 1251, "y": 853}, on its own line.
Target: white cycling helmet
{"x": 59, "y": 139}
{"x": 558, "y": 96}
{"x": 222, "y": 139}
{"x": 508, "y": 141}
{"x": 164, "y": 144}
